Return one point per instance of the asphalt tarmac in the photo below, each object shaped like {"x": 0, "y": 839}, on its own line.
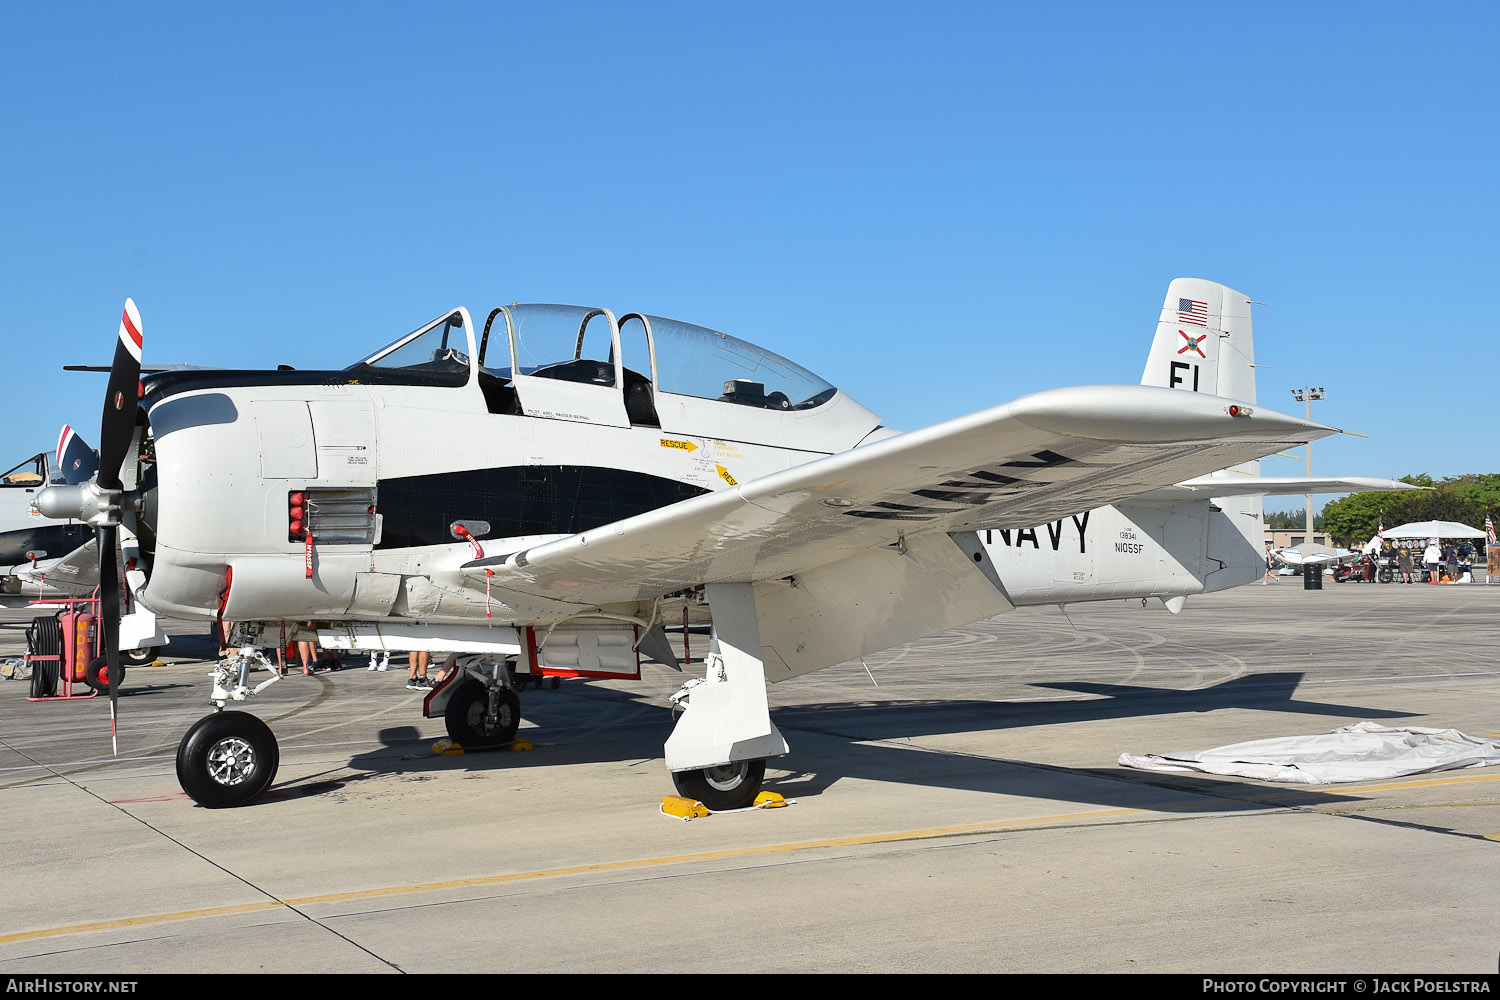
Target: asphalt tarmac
{"x": 958, "y": 807}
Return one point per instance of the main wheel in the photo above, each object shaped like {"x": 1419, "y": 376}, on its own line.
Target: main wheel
{"x": 470, "y": 723}
{"x": 96, "y": 674}
{"x": 140, "y": 656}
{"x": 1385, "y": 574}
{"x": 227, "y": 759}
{"x": 728, "y": 786}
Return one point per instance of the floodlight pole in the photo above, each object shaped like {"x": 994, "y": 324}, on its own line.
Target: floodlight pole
{"x": 1306, "y": 395}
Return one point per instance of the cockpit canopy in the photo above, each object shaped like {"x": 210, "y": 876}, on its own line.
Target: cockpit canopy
{"x": 35, "y": 471}
{"x": 435, "y": 353}
{"x": 578, "y": 344}
{"x": 695, "y": 361}
{"x": 581, "y": 364}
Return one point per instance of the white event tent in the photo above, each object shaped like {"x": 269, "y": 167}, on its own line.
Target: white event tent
{"x": 1424, "y": 530}
{"x": 1433, "y": 529}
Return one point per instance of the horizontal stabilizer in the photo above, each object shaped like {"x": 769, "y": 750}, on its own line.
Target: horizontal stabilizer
{"x": 1233, "y": 485}
{"x": 148, "y": 369}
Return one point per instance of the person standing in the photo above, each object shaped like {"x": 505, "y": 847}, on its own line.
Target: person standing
{"x": 416, "y": 670}
{"x": 307, "y": 652}
{"x": 1432, "y": 558}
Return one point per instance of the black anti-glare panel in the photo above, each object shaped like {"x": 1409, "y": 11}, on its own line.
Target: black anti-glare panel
{"x": 518, "y": 500}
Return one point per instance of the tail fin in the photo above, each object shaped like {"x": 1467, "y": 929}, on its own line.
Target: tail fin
{"x": 1204, "y": 344}
{"x": 1203, "y": 341}
{"x": 75, "y": 459}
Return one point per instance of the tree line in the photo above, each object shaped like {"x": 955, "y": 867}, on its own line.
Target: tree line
{"x": 1292, "y": 520}
{"x": 1466, "y": 499}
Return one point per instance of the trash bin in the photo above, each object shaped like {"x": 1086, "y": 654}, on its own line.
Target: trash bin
{"x": 1312, "y": 577}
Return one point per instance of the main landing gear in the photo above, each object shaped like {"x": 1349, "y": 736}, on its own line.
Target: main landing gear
{"x": 140, "y": 656}
{"x": 480, "y": 717}
{"x": 479, "y": 704}
{"x": 723, "y": 787}
{"x": 717, "y": 751}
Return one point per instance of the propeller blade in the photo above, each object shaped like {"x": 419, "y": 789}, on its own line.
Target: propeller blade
{"x": 75, "y": 458}
{"x": 117, "y": 425}
{"x": 109, "y": 618}
{"x": 116, "y": 433}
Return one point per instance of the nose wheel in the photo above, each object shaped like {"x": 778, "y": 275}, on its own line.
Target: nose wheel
{"x": 227, "y": 759}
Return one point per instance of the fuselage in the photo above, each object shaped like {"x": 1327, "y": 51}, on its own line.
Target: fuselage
{"x": 449, "y": 445}
{"x": 404, "y": 453}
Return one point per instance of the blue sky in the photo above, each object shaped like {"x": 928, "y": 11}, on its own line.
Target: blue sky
{"x": 937, "y": 210}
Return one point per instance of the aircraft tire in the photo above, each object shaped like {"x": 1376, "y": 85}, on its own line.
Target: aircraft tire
{"x": 1386, "y": 576}
{"x": 730, "y": 786}
{"x": 96, "y": 674}
{"x": 465, "y": 721}
{"x": 139, "y": 657}
{"x": 227, "y": 759}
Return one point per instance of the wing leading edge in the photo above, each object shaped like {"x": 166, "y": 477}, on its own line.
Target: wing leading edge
{"x": 1034, "y": 460}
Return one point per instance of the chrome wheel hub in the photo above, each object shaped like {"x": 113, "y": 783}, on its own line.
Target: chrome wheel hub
{"x": 726, "y": 777}
{"x": 230, "y": 761}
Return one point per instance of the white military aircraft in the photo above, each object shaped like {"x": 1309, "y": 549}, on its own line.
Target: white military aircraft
{"x": 1311, "y": 554}
{"x": 39, "y": 557}
{"x": 546, "y": 491}
{"x": 42, "y": 559}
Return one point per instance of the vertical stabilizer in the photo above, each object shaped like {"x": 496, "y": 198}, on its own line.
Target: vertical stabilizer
{"x": 1203, "y": 341}
{"x": 1204, "y": 344}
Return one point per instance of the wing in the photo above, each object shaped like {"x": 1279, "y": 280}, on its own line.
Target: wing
{"x": 1233, "y": 485}
{"x": 1027, "y": 462}
{"x": 77, "y": 568}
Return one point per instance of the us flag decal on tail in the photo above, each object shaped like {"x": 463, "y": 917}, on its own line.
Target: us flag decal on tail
{"x": 1192, "y": 311}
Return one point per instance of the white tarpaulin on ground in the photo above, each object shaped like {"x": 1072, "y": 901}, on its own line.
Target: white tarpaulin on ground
{"x": 1364, "y": 751}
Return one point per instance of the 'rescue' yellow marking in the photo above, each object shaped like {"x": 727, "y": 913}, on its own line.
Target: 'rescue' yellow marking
{"x": 724, "y": 475}
{"x": 931, "y": 833}
{"x": 680, "y": 445}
